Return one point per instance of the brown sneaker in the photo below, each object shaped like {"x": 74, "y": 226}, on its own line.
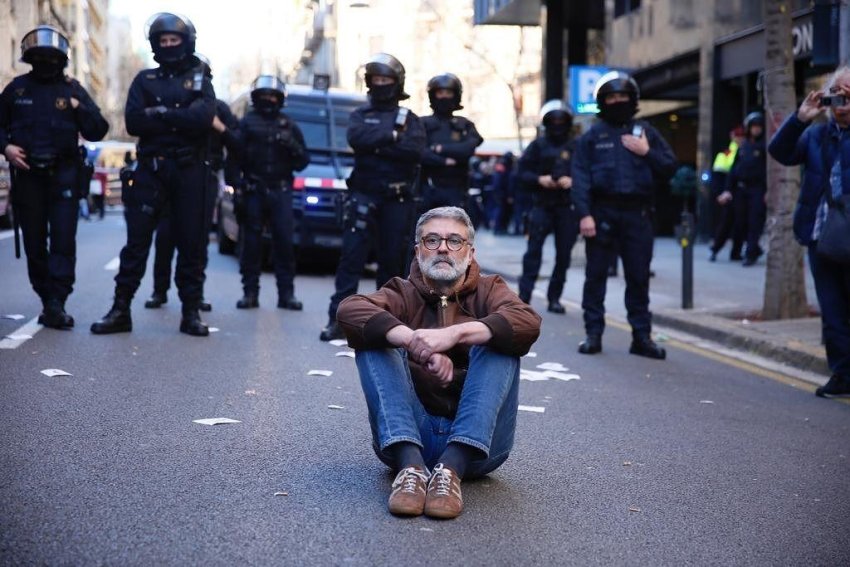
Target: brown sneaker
{"x": 444, "y": 499}
{"x": 408, "y": 495}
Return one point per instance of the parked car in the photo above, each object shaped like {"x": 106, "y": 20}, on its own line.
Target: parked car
{"x": 318, "y": 190}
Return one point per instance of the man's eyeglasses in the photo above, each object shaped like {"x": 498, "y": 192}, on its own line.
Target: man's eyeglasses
{"x": 453, "y": 242}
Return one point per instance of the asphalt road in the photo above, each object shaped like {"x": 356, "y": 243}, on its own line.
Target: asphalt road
{"x": 693, "y": 460}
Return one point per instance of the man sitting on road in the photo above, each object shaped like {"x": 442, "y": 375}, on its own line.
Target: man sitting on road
{"x": 438, "y": 357}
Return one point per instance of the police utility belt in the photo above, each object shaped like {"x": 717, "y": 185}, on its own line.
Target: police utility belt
{"x": 46, "y": 164}
{"x": 391, "y": 190}
{"x": 183, "y": 156}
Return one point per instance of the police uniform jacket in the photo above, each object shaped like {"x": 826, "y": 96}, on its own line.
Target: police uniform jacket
{"x": 378, "y": 159}
{"x": 366, "y": 319}
{"x": 189, "y": 105}
{"x": 750, "y": 166}
{"x": 37, "y": 115}
{"x": 603, "y": 169}
{"x": 220, "y": 141}
{"x": 458, "y": 138}
{"x": 545, "y": 156}
{"x": 271, "y": 148}
{"x": 815, "y": 146}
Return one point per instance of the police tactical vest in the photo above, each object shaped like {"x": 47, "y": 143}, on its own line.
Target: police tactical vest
{"x": 265, "y": 156}
{"x": 42, "y": 120}
{"x": 177, "y": 90}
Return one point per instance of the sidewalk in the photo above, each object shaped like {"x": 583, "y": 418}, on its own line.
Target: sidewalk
{"x": 724, "y": 294}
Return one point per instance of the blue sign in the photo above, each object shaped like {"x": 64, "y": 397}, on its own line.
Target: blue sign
{"x": 582, "y": 82}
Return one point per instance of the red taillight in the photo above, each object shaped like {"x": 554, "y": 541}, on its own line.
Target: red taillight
{"x": 298, "y": 184}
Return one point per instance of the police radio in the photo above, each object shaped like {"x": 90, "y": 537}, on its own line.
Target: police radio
{"x": 401, "y": 118}
{"x": 637, "y": 130}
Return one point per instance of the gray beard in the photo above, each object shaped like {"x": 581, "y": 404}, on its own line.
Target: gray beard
{"x": 443, "y": 270}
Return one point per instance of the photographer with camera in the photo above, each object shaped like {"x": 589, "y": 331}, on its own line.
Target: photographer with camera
{"x": 822, "y": 214}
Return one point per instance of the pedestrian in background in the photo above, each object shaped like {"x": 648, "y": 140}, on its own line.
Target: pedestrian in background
{"x": 823, "y": 149}
{"x": 222, "y": 134}
{"x": 388, "y": 141}
{"x": 438, "y": 357}
{"x": 504, "y": 177}
{"x": 748, "y": 186}
{"x": 614, "y": 170}
{"x": 544, "y": 171}
{"x": 271, "y": 149}
{"x": 42, "y": 114}
{"x": 723, "y": 195}
{"x": 171, "y": 109}
{"x": 451, "y": 143}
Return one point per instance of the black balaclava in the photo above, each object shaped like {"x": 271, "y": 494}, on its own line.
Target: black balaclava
{"x": 618, "y": 113}
{"x": 383, "y": 94}
{"x": 47, "y": 68}
{"x": 170, "y": 56}
{"x": 268, "y": 107}
{"x": 558, "y": 132}
{"x": 444, "y": 106}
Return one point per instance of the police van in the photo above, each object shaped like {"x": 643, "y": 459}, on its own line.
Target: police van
{"x": 318, "y": 190}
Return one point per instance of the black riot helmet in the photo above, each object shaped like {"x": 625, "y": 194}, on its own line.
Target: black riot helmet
{"x": 616, "y": 82}
{"x": 447, "y": 81}
{"x": 45, "y": 41}
{"x": 263, "y": 86}
{"x": 386, "y": 65}
{"x": 166, "y": 22}
{"x": 754, "y": 117}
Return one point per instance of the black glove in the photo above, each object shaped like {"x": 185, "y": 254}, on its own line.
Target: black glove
{"x": 239, "y": 203}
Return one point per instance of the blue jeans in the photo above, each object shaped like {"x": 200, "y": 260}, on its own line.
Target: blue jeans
{"x": 485, "y": 419}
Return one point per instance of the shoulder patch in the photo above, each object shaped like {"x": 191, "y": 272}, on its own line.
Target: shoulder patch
{"x": 187, "y": 84}
{"x": 61, "y": 103}
{"x": 20, "y": 91}
{"x": 150, "y": 75}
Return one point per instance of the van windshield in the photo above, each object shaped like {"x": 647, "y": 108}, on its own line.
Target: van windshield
{"x": 313, "y": 116}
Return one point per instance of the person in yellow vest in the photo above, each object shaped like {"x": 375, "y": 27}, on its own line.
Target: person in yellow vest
{"x": 726, "y": 216}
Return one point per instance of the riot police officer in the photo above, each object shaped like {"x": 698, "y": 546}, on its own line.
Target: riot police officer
{"x": 171, "y": 109}
{"x": 42, "y": 113}
{"x": 544, "y": 171}
{"x": 615, "y": 167}
{"x": 451, "y": 142}
{"x": 748, "y": 185}
{"x": 222, "y": 135}
{"x": 388, "y": 141}
{"x": 271, "y": 149}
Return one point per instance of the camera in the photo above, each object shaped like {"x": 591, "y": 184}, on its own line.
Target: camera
{"x": 833, "y": 100}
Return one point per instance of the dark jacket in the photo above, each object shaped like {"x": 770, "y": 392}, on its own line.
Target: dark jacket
{"x": 815, "y": 146}
{"x": 366, "y": 319}
{"x": 190, "y": 104}
{"x": 37, "y": 115}
{"x": 749, "y": 170}
{"x": 545, "y": 156}
{"x": 270, "y": 149}
{"x": 458, "y": 139}
{"x": 603, "y": 168}
{"x": 378, "y": 160}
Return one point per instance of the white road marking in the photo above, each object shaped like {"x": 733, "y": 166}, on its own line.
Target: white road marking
{"x": 30, "y": 328}
{"x": 113, "y": 264}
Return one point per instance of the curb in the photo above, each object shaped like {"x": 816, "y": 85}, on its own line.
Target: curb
{"x": 730, "y": 334}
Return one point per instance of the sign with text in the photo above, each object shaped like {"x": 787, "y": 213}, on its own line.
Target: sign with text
{"x": 582, "y": 81}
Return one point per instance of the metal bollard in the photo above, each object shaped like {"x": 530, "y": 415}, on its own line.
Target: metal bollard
{"x": 685, "y": 234}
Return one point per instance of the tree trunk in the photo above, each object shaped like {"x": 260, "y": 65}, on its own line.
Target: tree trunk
{"x": 784, "y": 286}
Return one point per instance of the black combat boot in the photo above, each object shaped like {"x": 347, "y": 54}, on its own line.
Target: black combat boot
{"x": 591, "y": 345}
{"x": 289, "y": 302}
{"x": 117, "y": 320}
{"x": 53, "y": 315}
{"x": 248, "y": 301}
{"x": 157, "y": 300}
{"x": 191, "y": 323}
{"x": 205, "y": 306}
{"x": 556, "y": 307}
{"x": 643, "y": 345}
{"x": 332, "y": 331}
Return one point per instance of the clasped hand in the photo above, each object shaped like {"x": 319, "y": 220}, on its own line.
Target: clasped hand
{"x": 427, "y": 347}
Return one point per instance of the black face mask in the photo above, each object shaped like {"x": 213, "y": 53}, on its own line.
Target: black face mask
{"x": 618, "y": 113}
{"x": 46, "y": 70}
{"x": 169, "y": 55}
{"x": 443, "y": 106}
{"x": 383, "y": 93}
{"x": 558, "y": 131}
{"x": 267, "y": 107}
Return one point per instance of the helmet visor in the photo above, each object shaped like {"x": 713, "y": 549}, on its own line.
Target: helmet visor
{"x": 45, "y": 37}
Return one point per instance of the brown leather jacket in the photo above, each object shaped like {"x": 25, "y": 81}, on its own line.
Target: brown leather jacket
{"x": 366, "y": 319}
